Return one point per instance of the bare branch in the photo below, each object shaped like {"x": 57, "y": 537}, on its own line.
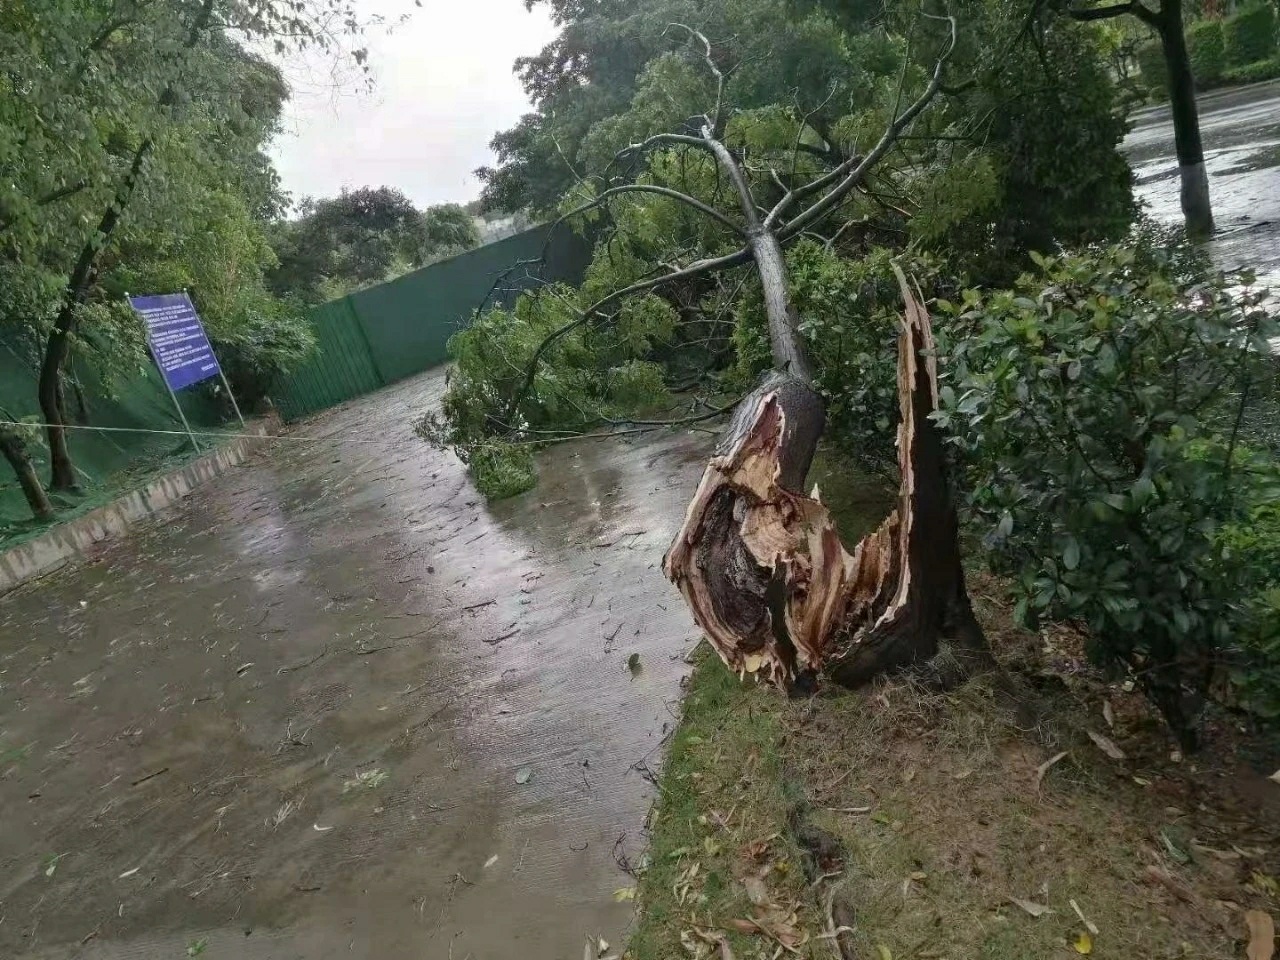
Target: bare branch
{"x": 853, "y": 177}
{"x": 715, "y": 119}
{"x": 1104, "y": 13}
{"x": 696, "y": 269}
{"x": 736, "y": 176}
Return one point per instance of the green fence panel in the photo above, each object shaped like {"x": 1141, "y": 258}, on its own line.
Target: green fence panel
{"x": 341, "y": 368}
{"x": 409, "y": 320}
{"x": 400, "y": 328}
{"x": 140, "y": 404}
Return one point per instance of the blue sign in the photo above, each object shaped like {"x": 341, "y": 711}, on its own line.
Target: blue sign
{"x": 177, "y": 338}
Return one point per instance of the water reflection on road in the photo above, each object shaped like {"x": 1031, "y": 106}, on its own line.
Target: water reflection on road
{"x": 1241, "y": 132}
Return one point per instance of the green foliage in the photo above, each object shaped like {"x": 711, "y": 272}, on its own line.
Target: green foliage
{"x": 1254, "y": 72}
{"x": 259, "y": 346}
{"x": 502, "y": 470}
{"x": 1093, "y": 406}
{"x": 360, "y": 238}
{"x": 132, "y": 136}
{"x": 1207, "y": 51}
{"x": 1253, "y": 543}
{"x": 1155, "y": 72}
{"x": 1250, "y": 35}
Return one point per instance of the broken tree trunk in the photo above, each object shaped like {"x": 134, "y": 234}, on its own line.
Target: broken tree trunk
{"x": 762, "y": 566}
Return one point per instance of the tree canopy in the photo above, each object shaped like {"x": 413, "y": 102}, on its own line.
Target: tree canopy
{"x": 362, "y": 237}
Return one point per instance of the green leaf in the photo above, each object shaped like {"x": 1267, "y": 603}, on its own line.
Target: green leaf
{"x": 1071, "y": 553}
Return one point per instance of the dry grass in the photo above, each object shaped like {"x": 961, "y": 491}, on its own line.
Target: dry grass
{"x": 1161, "y": 856}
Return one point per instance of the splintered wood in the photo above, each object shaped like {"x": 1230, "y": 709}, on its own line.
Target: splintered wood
{"x": 762, "y": 566}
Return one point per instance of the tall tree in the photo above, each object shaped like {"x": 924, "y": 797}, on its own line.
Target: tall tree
{"x": 361, "y": 237}
{"x": 1167, "y": 21}
{"x": 104, "y": 104}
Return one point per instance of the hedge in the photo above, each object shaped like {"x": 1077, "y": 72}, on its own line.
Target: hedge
{"x": 1207, "y": 50}
{"x": 1253, "y": 72}
{"x": 1250, "y": 35}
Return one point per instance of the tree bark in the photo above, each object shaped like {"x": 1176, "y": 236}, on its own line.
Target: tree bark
{"x": 62, "y": 470}
{"x": 37, "y": 499}
{"x": 1194, "y": 194}
{"x": 763, "y": 569}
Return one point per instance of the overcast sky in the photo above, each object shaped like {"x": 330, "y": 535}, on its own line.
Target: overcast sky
{"x": 444, "y": 86}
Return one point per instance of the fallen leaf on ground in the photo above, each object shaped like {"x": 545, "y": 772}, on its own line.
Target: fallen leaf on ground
{"x": 1084, "y": 943}
{"x": 624, "y": 893}
{"x": 884, "y": 952}
{"x": 1031, "y": 907}
{"x": 633, "y": 663}
{"x": 1262, "y": 935}
{"x": 1178, "y": 854}
{"x": 756, "y": 891}
{"x": 491, "y": 861}
{"x": 1089, "y": 924}
{"x": 1108, "y": 715}
{"x": 1106, "y": 745}
{"x": 524, "y": 774}
{"x": 1044, "y": 767}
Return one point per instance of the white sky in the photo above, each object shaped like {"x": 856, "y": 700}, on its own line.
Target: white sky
{"x": 444, "y": 87}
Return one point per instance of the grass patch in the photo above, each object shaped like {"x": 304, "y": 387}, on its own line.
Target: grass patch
{"x": 944, "y": 819}
{"x": 719, "y": 822}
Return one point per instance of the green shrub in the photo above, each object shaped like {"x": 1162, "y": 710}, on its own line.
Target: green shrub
{"x": 1250, "y": 36}
{"x": 502, "y": 470}
{"x": 1253, "y": 72}
{"x": 1151, "y": 63}
{"x": 1093, "y": 406}
{"x": 1252, "y": 679}
{"x": 1207, "y": 51}
{"x": 260, "y": 347}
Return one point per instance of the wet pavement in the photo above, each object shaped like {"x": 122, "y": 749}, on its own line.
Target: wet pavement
{"x": 1241, "y": 133}
{"x": 292, "y": 719}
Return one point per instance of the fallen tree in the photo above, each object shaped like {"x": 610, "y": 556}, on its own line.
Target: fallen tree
{"x": 763, "y": 569}
{"x": 760, "y": 564}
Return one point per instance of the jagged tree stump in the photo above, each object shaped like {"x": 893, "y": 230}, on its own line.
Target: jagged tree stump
{"x": 761, "y": 564}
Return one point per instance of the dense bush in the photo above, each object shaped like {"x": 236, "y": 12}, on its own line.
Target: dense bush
{"x": 1254, "y": 72}
{"x": 1207, "y": 51}
{"x": 1250, "y": 36}
{"x": 1154, "y": 71}
{"x": 1095, "y": 409}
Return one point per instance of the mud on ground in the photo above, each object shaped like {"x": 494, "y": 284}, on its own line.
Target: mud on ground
{"x": 292, "y": 719}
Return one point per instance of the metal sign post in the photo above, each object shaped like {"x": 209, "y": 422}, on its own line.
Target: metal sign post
{"x": 180, "y": 347}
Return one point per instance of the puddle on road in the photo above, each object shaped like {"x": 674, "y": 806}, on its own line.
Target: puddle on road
{"x": 1241, "y": 133}
{"x": 288, "y": 721}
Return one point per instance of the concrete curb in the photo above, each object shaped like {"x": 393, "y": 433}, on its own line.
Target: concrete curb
{"x": 67, "y": 541}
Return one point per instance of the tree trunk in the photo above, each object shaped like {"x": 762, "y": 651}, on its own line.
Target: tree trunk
{"x": 17, "y": 456}
{"x": 62, "y": 470}
{"x": 1196, "y": 208}
{"x": 762, "y": 567}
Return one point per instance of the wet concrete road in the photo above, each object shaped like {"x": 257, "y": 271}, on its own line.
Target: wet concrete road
{"x": 289, "y": 721}
{"x": 1241, "y": 133}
